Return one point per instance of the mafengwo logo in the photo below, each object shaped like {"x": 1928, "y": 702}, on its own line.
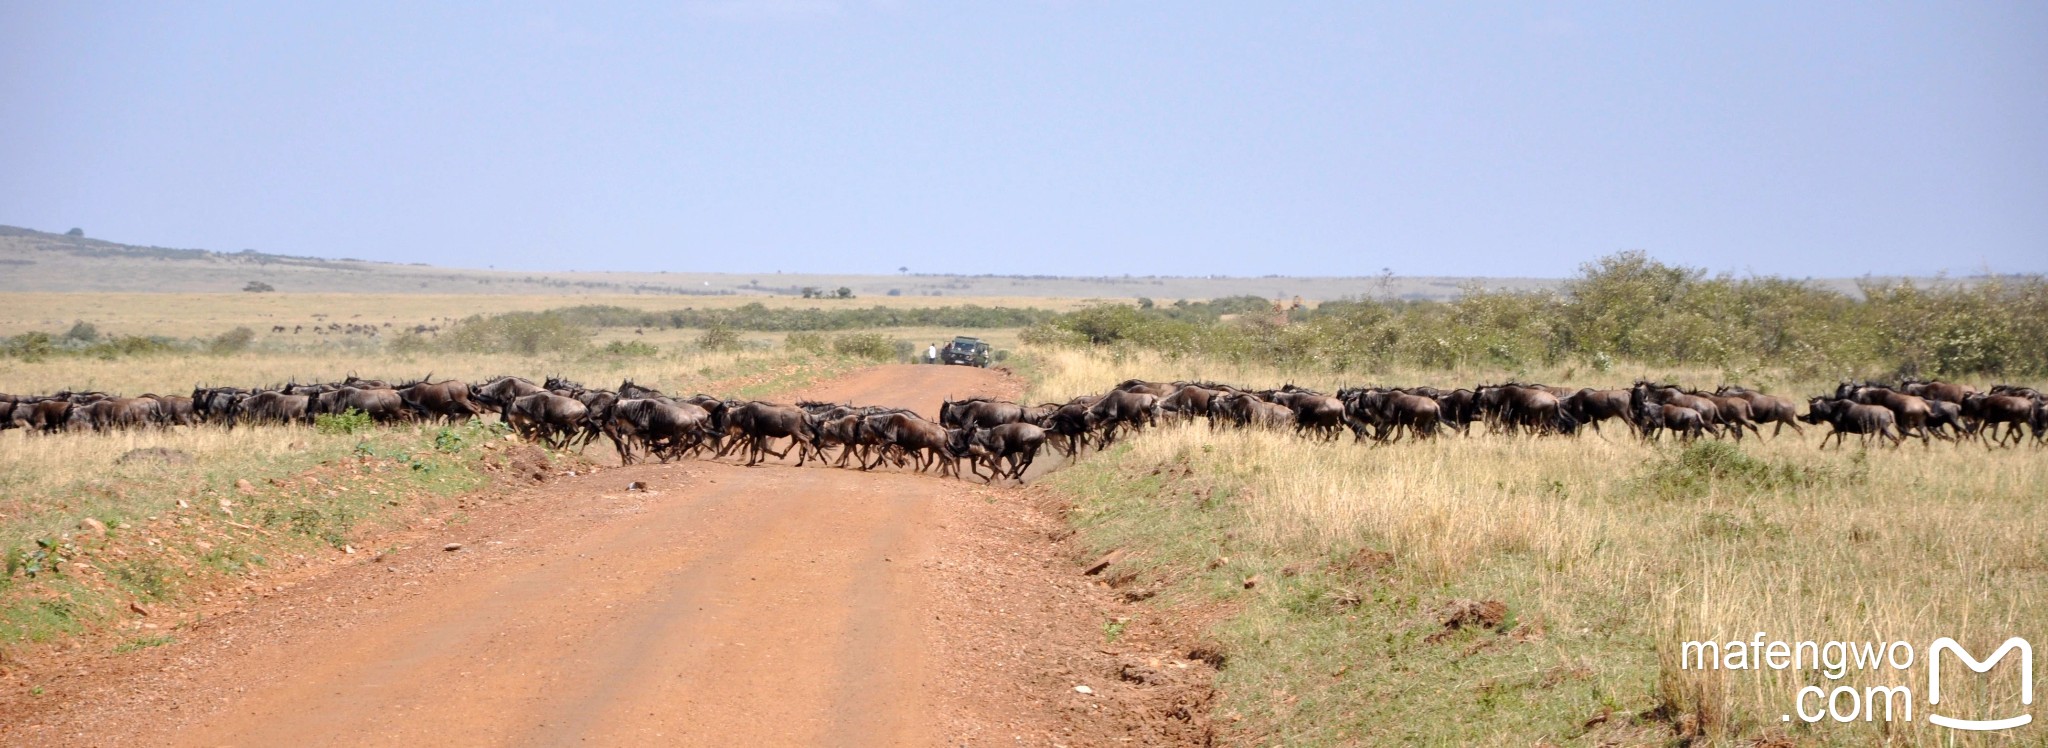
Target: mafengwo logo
{"x": 1946, "y": 644}
{"x": 1846, "y": 703}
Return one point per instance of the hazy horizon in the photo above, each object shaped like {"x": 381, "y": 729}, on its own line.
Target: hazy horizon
{"x": 1048, "y": 138}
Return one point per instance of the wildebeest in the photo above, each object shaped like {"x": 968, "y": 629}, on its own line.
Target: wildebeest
{"x": 446, "y": 400}
{"x": 1652, "y": 419}
{"x": 1851, "y": 417}
{"x": 1937, "y": 390}
{"x": 1391, "y": 411}
{"x": 1767, "y": 409}
{"x": 1909, "y": 411}
{"x": 978, "y": 412}
{"x": 1070, "y": 422}
{"x": 381, "y": 405}
{"x": 924, "y": 442}
{"x": 1313, "y": 411}
{"x": 1590, "y": 406}
{"x": 268, "y": 407}
{"x": 758, "y": 422}
{"x": 499, "y": 392}
{"x": 1017, "y": 443}
{"x": 1123, "y": 408}
{"x": 548, "y": 418}
{"x": 1987, "y": 412}
{"x": 1515, "y": 405}
{"x": 663, "y": 427}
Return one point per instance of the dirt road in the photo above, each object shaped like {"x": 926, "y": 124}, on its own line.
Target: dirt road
{"x": 723, "y": 606}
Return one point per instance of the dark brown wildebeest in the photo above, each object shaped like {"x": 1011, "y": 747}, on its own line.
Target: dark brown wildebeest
{"x": 1851, "y": 417}
{"x": 548, "y": 418}
{"x": 663, "y": 427}
{"x": 924, "y": 442}
{"x": 1590, "y": 406}
{"x": 1515, "y": 406}
{"x": 1313, "y": 411}
{"x": 1652, "y": 418}
{"x": 1070, "y": 422}
{"x": 1937, "y": 390}
{"x": 174, "y": 410}
{"x": 363, "y": 384}
{"x": 268, "y": 407}
{"x": 757, "y": 422}
{"x": 1945, "y": 420}
{"x": 1668, "y": 394}
{"x": 1389, "y": 412}
{"x": 50, "y": 416}
{"x": 1190, "y": 399}
{"x": 1767, "y": 408}
{"x": 1909, "y": 411}
{"x": 15, "y": 415}
{"x": 210, "y": 404}
{"x": 1732, "y": 412}
{"x": 1248, "y": 410}
{"x": 1017, "y": 443}
{"x": 498, "y": 393}
{"x": 1460, "y": 408}
{"x": 843, "y": 431}
{"x": 381, "y": 405}
{"x": 1986, "y": 413}
{"x": 446, "y": 400}
{"x": 1120, "y": 408}
{"x": 629, "y": 390}
{"x": 1142, "y": 387}
{"x": 118, "y": 413}
{"x": 978, "y": 412}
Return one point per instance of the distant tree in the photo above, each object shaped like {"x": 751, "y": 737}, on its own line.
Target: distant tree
{"x": 83, "y": 332}
{"x": 904, "y": 269}
{"x": 895, "y": 292}
{"x": 259, "y": 287}
{"x": 811, "y": 292}
{"x": 843, "y": 292}
{"x": 76, "y": 233}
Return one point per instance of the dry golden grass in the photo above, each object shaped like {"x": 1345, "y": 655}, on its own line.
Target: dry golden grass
{"x": 184, "y": 315}
{"x": 684, "y": 370}
{"x": 1620, "y": 552}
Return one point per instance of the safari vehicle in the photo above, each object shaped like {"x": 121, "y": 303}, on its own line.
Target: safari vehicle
{"x": 965, "y": 351}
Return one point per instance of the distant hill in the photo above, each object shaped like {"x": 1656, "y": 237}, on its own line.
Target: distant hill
{"x": 39, "y": 261}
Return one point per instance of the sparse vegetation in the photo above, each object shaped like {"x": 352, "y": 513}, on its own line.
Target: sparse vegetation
{"x": 523, "y": 333}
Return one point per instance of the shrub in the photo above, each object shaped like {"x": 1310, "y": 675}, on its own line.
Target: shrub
{"x": 808, "y": 342}
{"x": 628, "y": 349}
{"x": 1702, "y": 466}
{"x": 82, "y": 332}
{"x": 31, "y": 346}
{"x": 258, "y": 287}
{"x": 524, "y": 333}
{"x": 719, "y": 338}
{"x": 867, "y": 345}
{"x": 351, "y": 421}
{"x": 232, "y": 341}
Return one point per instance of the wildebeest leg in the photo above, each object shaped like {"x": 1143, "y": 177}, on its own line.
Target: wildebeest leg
{"x": 625, "y": 451}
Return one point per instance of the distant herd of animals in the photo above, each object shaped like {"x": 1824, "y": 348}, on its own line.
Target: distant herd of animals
{"x": 1004, "y": 437}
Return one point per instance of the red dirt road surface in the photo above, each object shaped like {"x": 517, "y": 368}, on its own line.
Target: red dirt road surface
{"x": 722, "y": 606}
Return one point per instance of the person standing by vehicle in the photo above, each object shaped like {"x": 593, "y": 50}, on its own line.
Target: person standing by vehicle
{"x": 931, "y": 354}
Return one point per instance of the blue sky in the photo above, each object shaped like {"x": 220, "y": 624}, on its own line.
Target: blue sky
{"x": 1041, "y": 137}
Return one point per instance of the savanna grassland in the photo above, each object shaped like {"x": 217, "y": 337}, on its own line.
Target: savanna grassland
{"x": 1467, "y": 590}
{"x": 1350, "y": 572}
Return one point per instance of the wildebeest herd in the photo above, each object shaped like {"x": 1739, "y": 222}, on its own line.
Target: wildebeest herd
{"x": 1004, "y": 438}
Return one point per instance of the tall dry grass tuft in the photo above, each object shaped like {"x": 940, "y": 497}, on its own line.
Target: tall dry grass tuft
{"x": 1625, "y": 550}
